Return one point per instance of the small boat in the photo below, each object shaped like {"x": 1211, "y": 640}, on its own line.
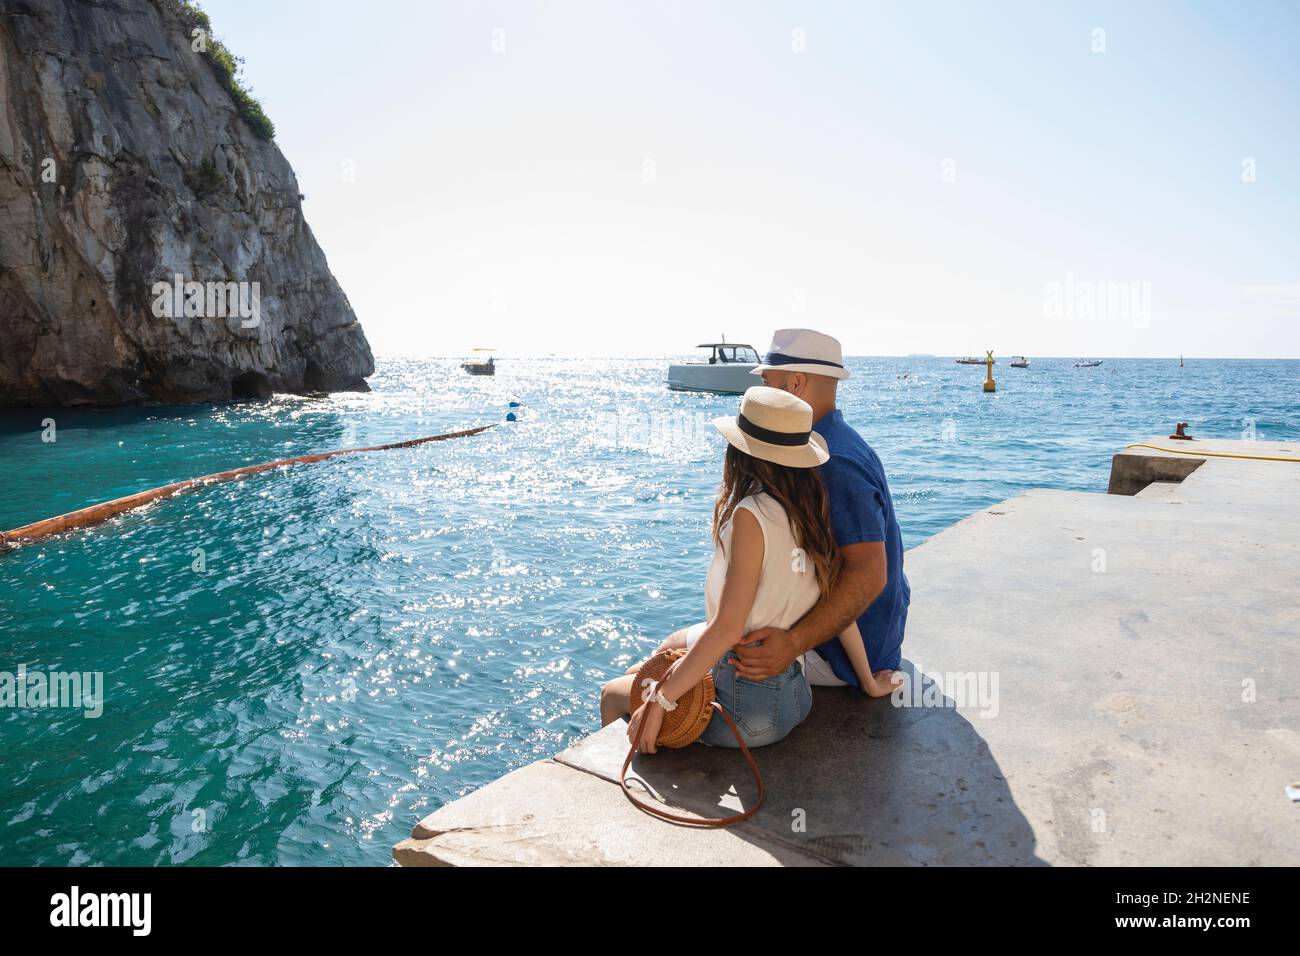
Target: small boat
{"x": 725, "y": 373}
{"x": 971, "y": 360}
{"x": 1020, "y": 362}
{"x": 480, "y": 366}
{"x": 1087, "y": 363}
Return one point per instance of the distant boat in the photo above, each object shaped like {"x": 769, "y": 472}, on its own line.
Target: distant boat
{"x": 480, "y": 366}
{"x": 1087, "y": 363}
{"x": 971, "y": 360}
{"x": 1020, "y": 362}
{"x": 725, "y": 373}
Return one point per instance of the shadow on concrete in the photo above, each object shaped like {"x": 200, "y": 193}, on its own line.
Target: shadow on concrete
{"x": 861, "y": 781}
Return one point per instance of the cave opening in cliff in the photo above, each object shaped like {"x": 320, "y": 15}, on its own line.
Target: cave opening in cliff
{"x": 314, "y": 378}
{"x": 250, "y": 385}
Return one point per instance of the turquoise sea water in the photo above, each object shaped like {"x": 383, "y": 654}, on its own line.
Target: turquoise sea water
{"x": 378, "y": 634}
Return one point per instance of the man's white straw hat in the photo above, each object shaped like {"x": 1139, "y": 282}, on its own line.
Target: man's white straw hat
{"x": 775, "y": 426}
{"x": 804, "y": 350}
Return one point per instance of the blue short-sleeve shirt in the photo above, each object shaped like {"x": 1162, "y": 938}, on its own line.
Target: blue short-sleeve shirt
{"x": 862, "y": 510}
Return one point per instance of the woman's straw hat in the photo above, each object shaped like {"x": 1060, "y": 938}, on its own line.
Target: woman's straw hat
{"x": 775, "y": 426}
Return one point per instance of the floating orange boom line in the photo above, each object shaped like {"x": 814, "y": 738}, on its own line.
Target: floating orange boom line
{"x": 95, "y": 514}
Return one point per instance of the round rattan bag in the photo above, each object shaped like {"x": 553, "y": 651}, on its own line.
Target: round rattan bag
{"x": 684, "y": 725}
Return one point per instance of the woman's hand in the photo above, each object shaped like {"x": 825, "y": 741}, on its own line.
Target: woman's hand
{"x": 675, "y": 639}
{"x": 643, "y": 728}
{"x": 883, "y": 683}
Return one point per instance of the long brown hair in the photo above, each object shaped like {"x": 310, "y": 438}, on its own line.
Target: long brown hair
{"x": 800, "y": 492}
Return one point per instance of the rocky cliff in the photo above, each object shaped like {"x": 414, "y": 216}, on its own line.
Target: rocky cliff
{"x": 125, "y": 162}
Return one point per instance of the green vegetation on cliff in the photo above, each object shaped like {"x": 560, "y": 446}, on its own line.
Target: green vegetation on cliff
{"x": 225, "y": 64}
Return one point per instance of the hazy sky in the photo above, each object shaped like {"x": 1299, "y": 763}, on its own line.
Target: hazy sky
{"x": 603, "y": 178}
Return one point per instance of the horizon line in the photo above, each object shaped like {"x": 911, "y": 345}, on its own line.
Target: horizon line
{"x": 910, "y": 355}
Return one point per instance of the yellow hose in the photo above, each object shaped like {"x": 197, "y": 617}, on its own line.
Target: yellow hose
{"x": 1210, "y": 454}
{"x": 84, "y": 517}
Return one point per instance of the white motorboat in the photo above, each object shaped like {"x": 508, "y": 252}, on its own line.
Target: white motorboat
{"x": 1020, "y": 362}
{"x": 1087, "y": 363}
{"x": 480, "y": 366}
{"x": 725, "y": 373}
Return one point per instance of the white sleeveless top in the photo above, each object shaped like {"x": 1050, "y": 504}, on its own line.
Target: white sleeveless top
{"x": 787, "y": 584}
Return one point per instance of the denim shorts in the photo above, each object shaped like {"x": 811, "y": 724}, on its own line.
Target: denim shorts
{"x": 764, "y": 710}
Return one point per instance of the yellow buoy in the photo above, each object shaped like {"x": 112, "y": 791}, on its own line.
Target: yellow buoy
{"x": 989, "y": 384}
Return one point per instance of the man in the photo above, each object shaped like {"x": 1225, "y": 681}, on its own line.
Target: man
{"x": 871, "y": 588}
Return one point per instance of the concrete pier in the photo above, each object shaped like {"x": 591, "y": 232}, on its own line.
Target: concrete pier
{"x": 1096, "y": 679}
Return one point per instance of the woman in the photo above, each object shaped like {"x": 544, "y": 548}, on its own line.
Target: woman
{"x": 775, "y": 557}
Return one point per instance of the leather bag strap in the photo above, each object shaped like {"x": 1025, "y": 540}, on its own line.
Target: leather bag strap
{"x": 698, "y": 821}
